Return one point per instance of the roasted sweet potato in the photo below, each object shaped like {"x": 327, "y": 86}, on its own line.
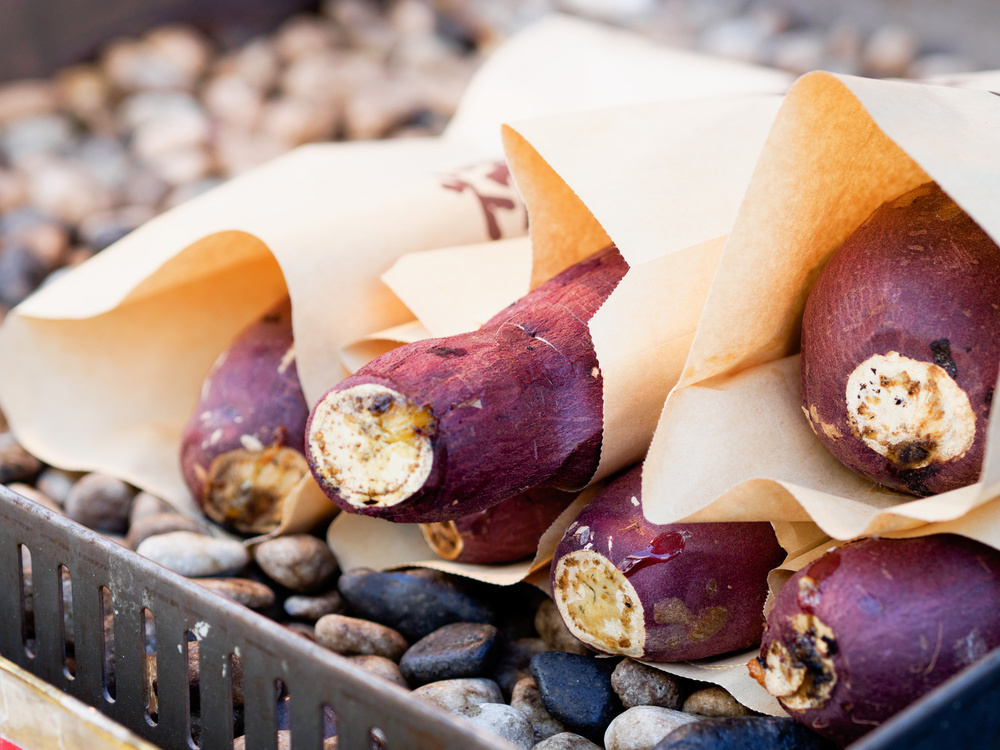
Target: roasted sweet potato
{"x": 661, "y": 592}
{"x": 899, "y": 347}
{"x": 242, "y": 450}
{"x": 869, "y": 627}
{"x": 446, "y": 427}
{"x": 502, "y": 533}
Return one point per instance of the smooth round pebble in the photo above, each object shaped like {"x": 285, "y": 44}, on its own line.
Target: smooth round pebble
{"x": 461, "y": 649}
{"x": 385, "y": 668}
{"x": 528, "y": 699}
{"x": 416, "y": 604}
{"x": 252, "y": 594}
{"x": 502, "y": 720}
{"x": 714, "y": 701}
{"x": 100, "y": 502}
{"x": 454, "y": 695}
{"x": 639, "y": 684}
{"x": 300, "y": 562}
{"x": 890, "y": 51}
{"x": 314, "y": 607}
{"x": 352, "y": 635}
{"x": 161, "y": 523}
{"x": 567, "y": 741}
{"x": 743, "y": 733}
{"x": 147, "y": 504}
{"x": 56, "y": 483}
{"x": 641, "y": 727}
{"x": 195, "y": 555}
{"x": 576, "y": 690}
{"x": 552, "y": 630}
{"x": 21, "y": 272}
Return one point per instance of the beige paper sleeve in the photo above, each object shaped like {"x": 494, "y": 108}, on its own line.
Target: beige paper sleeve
{"x": 663, "y": 182}
{"x": 693, "y": 157}
{"x": 840, "y": 147}
{"x": 110, "y": 358}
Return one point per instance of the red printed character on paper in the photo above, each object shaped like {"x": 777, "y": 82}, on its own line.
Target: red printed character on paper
{"x": 490, "y": 182}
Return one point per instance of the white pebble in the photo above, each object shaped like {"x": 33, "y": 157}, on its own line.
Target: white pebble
{"x": 742, "y": 39}
{"x": 642, "y": 727}
{"x": 458, "y": 694}
{"x": 890, "y": 51}
{"x": 256, "y": 63}
{"x": 293, "y": 122}
{"x": 179, "y": 130}
{"x": 181, "y": 166}
{"x": 502, "y": 720}
{"x": 195, "y": 555}
{"x": 67, "y": 191}
{"x": 233, "y": 100}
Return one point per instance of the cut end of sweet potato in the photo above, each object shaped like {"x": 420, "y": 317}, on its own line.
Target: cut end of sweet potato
{"x": 371, "y": 445}
{"x": 598, "y": 604}
{"x": 246, "y": 489}
{"x": 444, "y": 538}
{"x": 802, "y": 677}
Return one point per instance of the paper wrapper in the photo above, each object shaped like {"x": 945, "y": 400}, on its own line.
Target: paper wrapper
{"x": 840, "y": 147}
{"x": 102, "y": 368}
{"x": 663, "y": 181}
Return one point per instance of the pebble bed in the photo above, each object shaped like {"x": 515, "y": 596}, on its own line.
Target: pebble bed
{"x": 87, "y": 156}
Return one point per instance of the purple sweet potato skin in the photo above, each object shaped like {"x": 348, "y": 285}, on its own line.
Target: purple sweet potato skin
{"x": 256, "y": 382}
{"x": 906, "y": 614}
{"x": 511, "y": 529}
{"x": 717, "y": 571}
{"x": 922, "y": 279}
{"x": 518, "y": 403}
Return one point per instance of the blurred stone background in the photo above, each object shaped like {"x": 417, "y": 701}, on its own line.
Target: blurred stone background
{"x": 113, "y": 111}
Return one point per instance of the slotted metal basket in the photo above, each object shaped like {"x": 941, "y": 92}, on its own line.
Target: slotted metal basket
{"x": 53, "y": 625}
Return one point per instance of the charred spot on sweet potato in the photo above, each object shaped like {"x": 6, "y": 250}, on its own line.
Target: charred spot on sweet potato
{"x": 447, "y": 352}
{"x": 942, "y": 356}
{"x": 800, "y": 671}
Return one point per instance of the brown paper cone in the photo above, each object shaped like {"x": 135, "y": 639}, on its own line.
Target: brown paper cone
{"x": 732, "y": 442}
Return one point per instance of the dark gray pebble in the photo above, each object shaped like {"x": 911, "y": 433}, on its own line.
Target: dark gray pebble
{"x": 414, "y": 604}
{"x": 21, "y": 271}
{"x": 576, "y": 690}
{"x": 100, "y": 502}
{"x": 743, "y": 733}
{"x": 461, "y": 649}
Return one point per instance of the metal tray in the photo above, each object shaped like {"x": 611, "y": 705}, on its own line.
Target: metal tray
{"x": 107, "y": 579}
